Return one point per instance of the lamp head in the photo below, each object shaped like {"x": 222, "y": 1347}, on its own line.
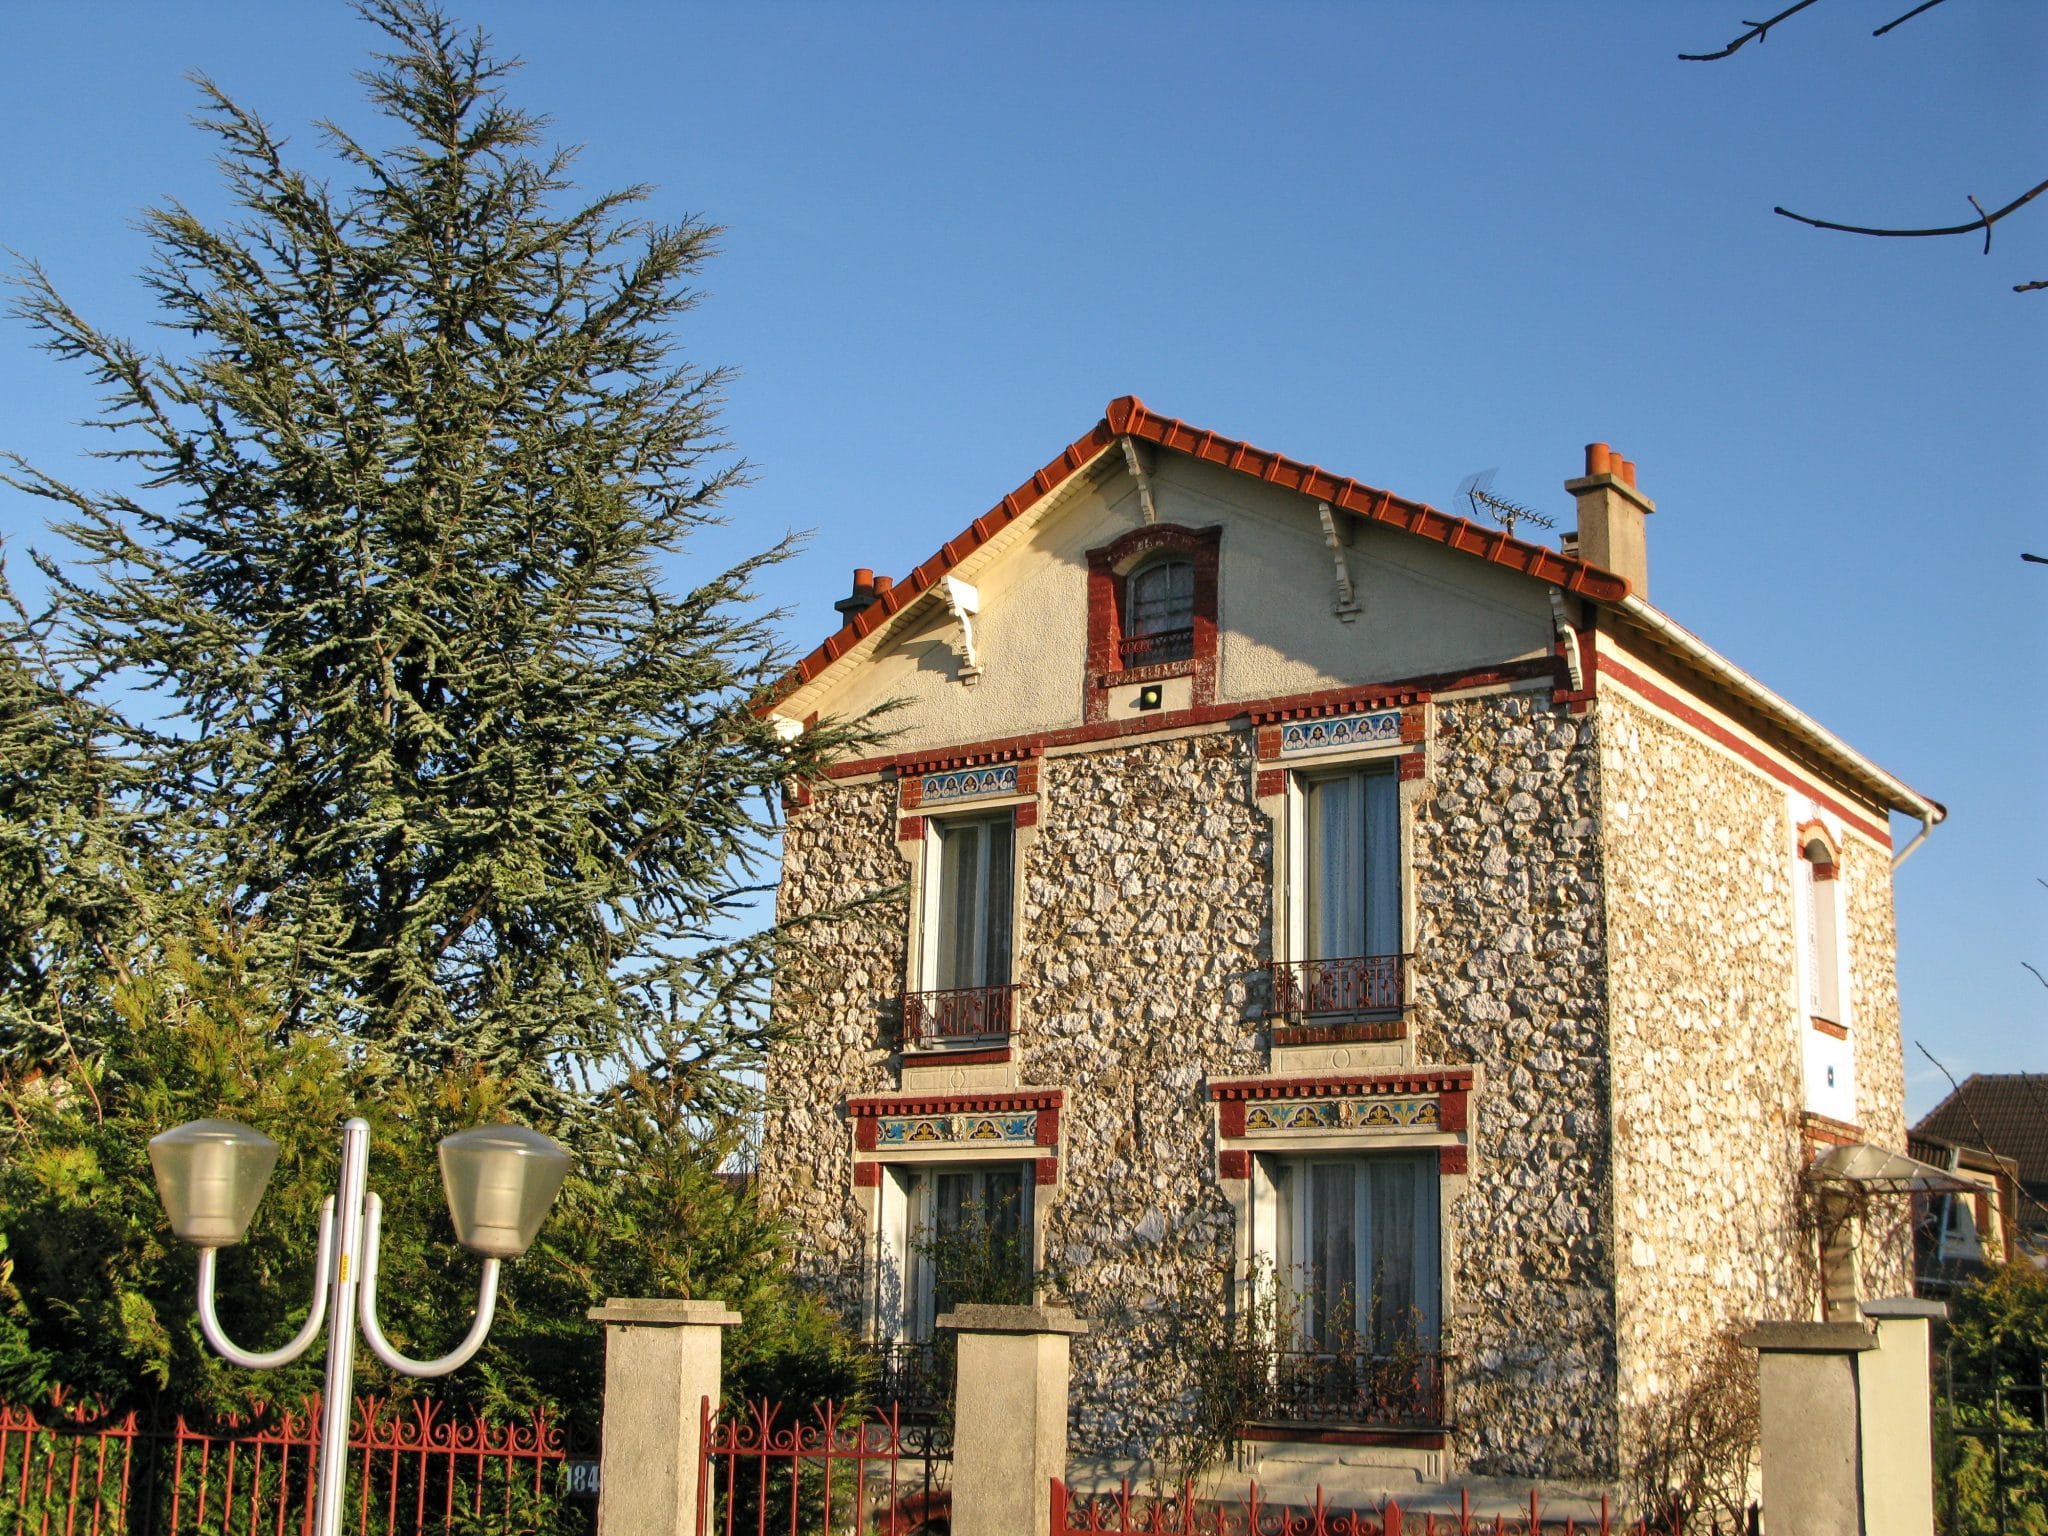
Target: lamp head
{"x": 501, "y": 1179}
{"x": 210, "y": 1175}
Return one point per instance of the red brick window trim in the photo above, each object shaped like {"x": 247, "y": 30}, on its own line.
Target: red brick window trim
{"x": 1830, "y": 1027}
{"x": 1109, "y": 569}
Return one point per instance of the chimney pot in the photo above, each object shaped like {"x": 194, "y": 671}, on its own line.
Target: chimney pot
{"x": 1610, "y": 532}
{"x": 884, "y": 584}
{"x": 863, "y": 593}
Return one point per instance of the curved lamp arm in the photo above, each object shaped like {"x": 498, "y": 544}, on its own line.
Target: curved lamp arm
{"x": 486, "y": 1307}
{"x": 209, "y": 1324}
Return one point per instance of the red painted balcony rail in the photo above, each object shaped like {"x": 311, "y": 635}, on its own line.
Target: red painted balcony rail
{"x": 1401, "y": 1390}
{"x": 1118, "y": 1514}
{"x": 1356, "y": 984}
{"x": 827, "y": 1471}
{"x": 412, "y": 1470}
{"x": 933, "y": 1021}
{"x": 1150, "y": 650}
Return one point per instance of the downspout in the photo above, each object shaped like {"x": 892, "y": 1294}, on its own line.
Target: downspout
{"x": 1926, "y": 826}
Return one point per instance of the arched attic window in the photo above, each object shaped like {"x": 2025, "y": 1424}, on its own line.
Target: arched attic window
{"x": 1158, "y": 612}
{"x": 1821, "y": 919}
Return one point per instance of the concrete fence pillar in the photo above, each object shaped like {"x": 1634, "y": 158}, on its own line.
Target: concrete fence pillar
{"x": 1848, "y": 1446}
{"x": 662, "y": 1358}
{"x": 1009, "y": 1416}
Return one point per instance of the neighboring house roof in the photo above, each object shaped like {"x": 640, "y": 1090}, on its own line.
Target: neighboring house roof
{"x": 1127, "y": 417}
{"x": 2004, "y": 1113}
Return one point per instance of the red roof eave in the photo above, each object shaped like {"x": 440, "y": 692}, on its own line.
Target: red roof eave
{"x": 1128, "y": 417}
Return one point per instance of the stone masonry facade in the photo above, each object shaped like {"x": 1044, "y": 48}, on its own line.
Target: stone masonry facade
{"x": 1603, "y": 931}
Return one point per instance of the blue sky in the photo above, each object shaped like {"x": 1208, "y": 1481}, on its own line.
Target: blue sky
{"x": 1403, "y": 241}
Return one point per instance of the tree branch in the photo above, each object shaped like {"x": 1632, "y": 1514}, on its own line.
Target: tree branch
{"x": 1925, "y": 5}
{"x": 1755, "y": 33}
{"x": 1983, "y": 221}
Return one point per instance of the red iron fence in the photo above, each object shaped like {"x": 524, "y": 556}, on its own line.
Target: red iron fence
{"x": 68, "y": 1471}
{"x": 1119, "y": 1514}
{"x": 828, "y": 1471}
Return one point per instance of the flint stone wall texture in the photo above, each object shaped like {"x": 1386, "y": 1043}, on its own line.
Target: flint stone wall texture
{"x": 1706, "y": 1051}
{"x": 836, "y": 994}
{"x": 1574, "y": 964}
{"x": 1873, "y": 983}
{"x": 1707, "y": 1046}
{"x": 1510, "y": 950}
{"x": 1147, "y": 929}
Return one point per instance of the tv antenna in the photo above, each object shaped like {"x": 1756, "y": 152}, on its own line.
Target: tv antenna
{"x": 1478, "y": 493}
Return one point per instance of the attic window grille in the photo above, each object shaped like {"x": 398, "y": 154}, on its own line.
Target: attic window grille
{"x": 1159, "y": 613}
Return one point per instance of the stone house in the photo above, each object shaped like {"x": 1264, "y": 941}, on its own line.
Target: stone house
{"x": 1336, "y": 935}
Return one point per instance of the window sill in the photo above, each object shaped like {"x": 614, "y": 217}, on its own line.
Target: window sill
{"x": 958, "y": 1056}
{"x": 1831, "y": 1028}
{"x": 1366, "y": 1029}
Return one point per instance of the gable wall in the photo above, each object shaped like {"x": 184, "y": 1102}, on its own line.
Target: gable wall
{"x": 1422, "y": 609}
{"x": 1708, "y": 1029}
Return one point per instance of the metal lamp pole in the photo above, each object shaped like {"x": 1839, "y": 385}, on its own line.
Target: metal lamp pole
{"x": 500, "y": 1181}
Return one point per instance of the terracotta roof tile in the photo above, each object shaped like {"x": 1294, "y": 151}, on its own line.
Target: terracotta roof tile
{"x": 1127, "y": 416}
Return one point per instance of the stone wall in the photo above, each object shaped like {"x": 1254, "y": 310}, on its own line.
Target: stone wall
{"x": 1866, "y": 873}
{"x": 1580, "y": 885}
{"x": 1147, "y": 925}
{"x": 1509, "y": 954}
{"x": 1705, "y": 1032}
{"x": 836, "y": 994}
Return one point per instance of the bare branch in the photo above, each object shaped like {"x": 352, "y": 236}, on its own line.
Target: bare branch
{"x": 2037, "y": 975}
{"x": 1755, "y": 34}
{"x": 1925, "y": 5}
{"x": 2029, "y": 287}
{"x": 1983, "y": 221}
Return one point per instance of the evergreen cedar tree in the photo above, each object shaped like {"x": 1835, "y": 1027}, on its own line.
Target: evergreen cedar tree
{"x": 419, "y": 797}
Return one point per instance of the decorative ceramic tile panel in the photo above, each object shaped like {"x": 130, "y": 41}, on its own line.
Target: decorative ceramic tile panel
{"x": 1281, "y": 1116}
{"x": 969, "y": 784}
{"x": 1019, "y": 1129}
{"x": 1302, "y": 738}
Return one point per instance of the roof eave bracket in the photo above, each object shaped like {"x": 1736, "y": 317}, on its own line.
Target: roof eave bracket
{"x": 1347, "y": 592}
{"x": 1136, "y": 465}
{"x": 964, "y": 602}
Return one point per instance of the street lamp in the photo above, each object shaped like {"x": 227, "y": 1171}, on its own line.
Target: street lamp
{"x": 500, "y": 1181}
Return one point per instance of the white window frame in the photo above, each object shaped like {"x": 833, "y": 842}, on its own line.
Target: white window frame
{"x": 1283, "y": 1224}
{"x": 930, "y": 960}
{"x": 904, "y": 1285}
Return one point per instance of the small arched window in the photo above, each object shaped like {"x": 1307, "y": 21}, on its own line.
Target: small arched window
{"x": 1159, "y": 612}
{"x": 1821, "y": 918}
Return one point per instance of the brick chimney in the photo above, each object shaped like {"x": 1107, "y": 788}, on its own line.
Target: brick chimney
{"x": 1611, "y": 517}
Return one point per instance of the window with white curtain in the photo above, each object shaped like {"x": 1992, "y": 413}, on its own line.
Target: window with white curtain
{"x": 967, "y": 937}
{"x": 1355, "y": 1252}
{"x": 945, "y": 1230}
{"x": 1351, "y": 842}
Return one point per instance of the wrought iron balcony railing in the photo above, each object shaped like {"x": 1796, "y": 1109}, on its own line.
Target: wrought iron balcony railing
{"x": 1160, "y": 646}
{"x": 1401, "y": 1390}
{"x": 1357, "y": 984}
{"x": 918, "y": 1378}
{"x": 957, "y": 1016}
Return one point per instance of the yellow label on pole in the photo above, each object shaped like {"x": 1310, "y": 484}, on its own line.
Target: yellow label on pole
{"x": 344, "y": 1269}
